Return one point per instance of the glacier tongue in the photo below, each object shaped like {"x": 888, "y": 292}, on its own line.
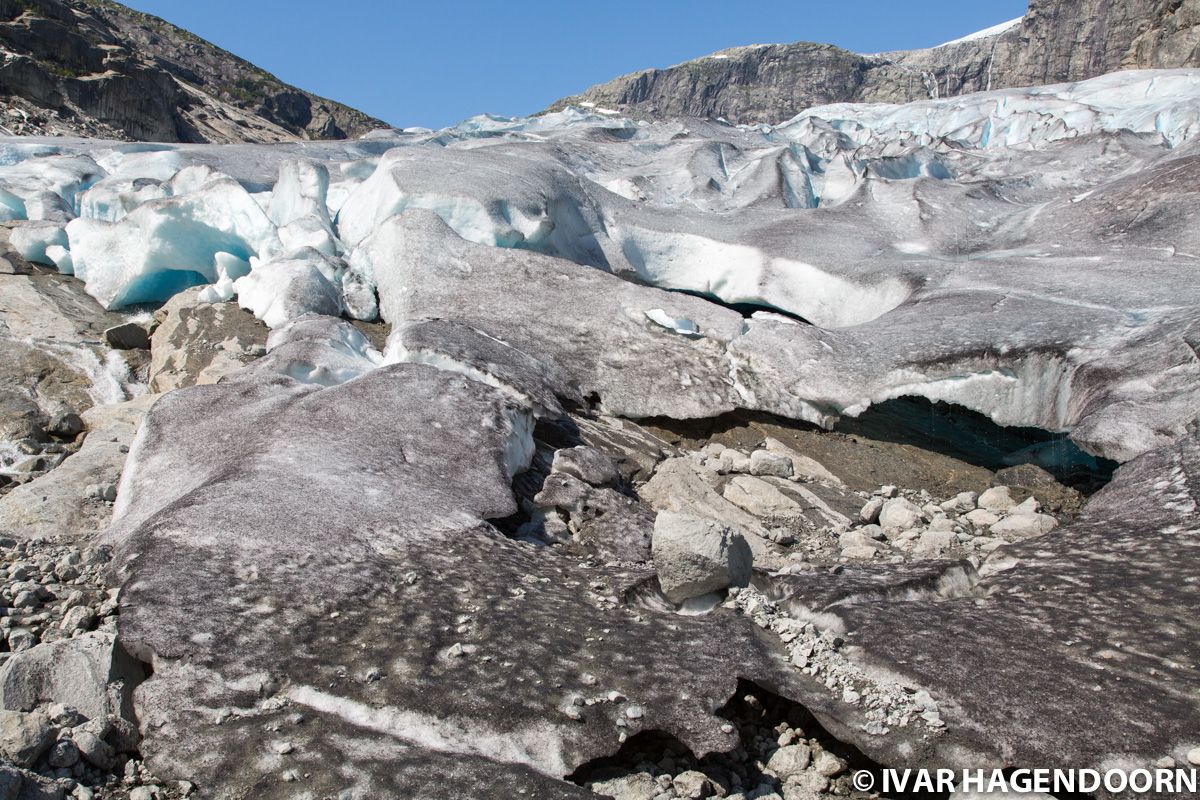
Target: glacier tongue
{"x": 876, "y": 224}
{"x": 456, "y": 316}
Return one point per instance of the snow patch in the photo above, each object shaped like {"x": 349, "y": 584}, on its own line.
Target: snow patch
{"x": 986, "y": 33}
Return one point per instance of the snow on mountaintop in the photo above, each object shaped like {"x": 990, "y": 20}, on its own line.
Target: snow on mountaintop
{"x": 994, "y": 30}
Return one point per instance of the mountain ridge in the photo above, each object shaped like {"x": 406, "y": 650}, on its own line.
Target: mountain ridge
{"x": 1056, "y": 41}
{"x": 100, "y": 69}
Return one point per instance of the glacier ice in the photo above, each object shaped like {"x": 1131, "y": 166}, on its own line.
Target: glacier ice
{"x": 1010, "y": 251}
{"x": 1157, "y": 102}
{"x": 167, "y": 245}
{"x": 32, "y": 240}
{"x": 290, "y": 286}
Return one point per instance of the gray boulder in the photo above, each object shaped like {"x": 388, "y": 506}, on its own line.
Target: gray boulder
{"x": 588, "y": 464}
{"x": 899, "y": 513}
{"x": 1023, "y": 526}
{"x": 90, "y": 673}
{"x": 199, "y": 343}
{"x": 695, "y": 556}
{"x": 777, "y": 465}
{"x": 24, "y": 737}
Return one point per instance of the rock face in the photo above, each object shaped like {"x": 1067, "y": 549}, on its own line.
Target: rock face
{"x": 1058, "y": 40}
{"x": 89, "y": 68}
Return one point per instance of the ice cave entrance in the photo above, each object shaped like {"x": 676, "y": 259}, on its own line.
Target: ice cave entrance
{"x": 974, "y": 438}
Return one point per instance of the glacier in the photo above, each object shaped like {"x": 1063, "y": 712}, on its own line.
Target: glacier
{"x": 877, "y": 225}
{"x": 381, "y": 336}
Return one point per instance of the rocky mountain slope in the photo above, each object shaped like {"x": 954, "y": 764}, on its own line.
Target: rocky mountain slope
{"x": 1057, "y": 40}
{"x": 97, "y": 68}
{"x": 587, "y": 457}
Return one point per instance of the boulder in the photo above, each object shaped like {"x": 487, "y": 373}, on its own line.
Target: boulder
{"x": 130, "y": 336}
{"x": 588, "y": 464}
{"x": 693, "y": 785}
{"x": 695, "y": 556}
{"x": 870, "y": 512}
{"x": 1024, "y": 526}
{"x": 996, "y": 499}
{"x": 790, "y": 760}
{"x": 763, "y": 462}
{"x": 932, "y": 542}
{"x": 981, "y": 518}
{"x": 602, "y": 520}
{"x": 733, "y": 461}
{"x": 899, "y": 513}
{"x": 24, "y": 737}
{"x": 638, "y": 786}
{"x": 90, "y": 673}
{"x": 199, "y": 343}
{"x": 680, "y": 485}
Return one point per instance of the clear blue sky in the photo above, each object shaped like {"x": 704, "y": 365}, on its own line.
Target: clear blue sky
{"x": 435, "y": 63}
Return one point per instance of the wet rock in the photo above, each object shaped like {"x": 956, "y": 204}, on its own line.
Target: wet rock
{"x": 130, "y": 336}
{"x": 65, "y": 426}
